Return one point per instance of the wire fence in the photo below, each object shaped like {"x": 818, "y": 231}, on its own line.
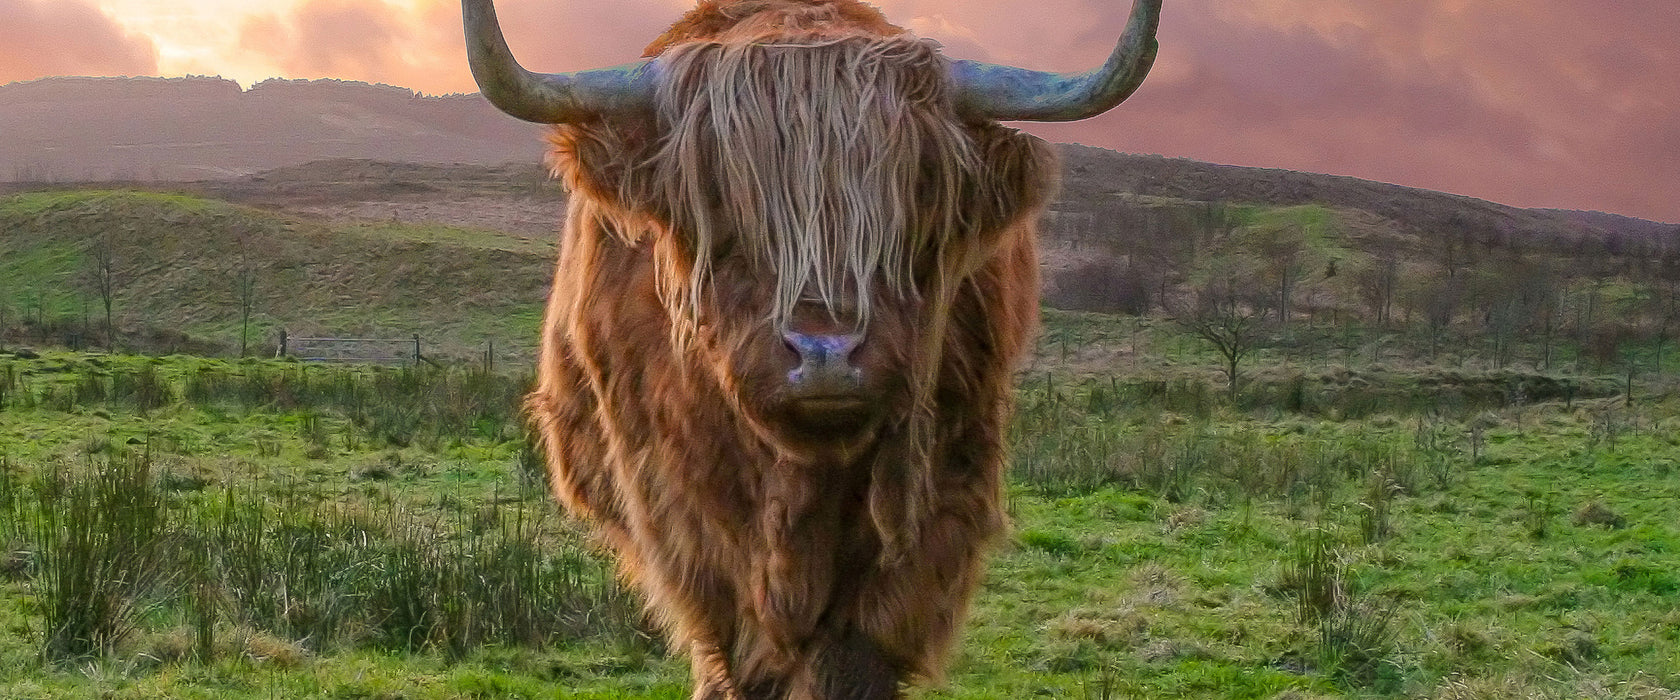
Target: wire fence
{"x": 378, "y": 350}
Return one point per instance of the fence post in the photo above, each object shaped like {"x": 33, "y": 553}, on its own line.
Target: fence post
{"x": 417, "y": 350}
{"x": 282, "y": 344}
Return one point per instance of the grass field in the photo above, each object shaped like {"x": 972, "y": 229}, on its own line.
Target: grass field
{"x": 201, "y": 528}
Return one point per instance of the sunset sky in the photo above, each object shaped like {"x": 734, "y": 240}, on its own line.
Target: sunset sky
{"x": 1541, "y": 103}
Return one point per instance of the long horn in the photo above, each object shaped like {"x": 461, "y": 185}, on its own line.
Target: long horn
{"x": 548, "y": 98}
{"x": 1007, "y": 93}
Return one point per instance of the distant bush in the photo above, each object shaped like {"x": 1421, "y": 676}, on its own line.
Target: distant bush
{"x": 1104, "y": 286}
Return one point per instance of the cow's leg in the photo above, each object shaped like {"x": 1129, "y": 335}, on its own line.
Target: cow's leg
{"x": 911, "y": 609}
{"x": 712, "y": 680}
{"x": 847, "y": 666}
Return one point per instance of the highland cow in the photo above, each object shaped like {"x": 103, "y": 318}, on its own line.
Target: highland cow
{"x": 796, "y": 275}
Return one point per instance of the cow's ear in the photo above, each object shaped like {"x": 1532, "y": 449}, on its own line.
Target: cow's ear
{"x": 605, "y": 161}
{"x": 1018, "y": 177}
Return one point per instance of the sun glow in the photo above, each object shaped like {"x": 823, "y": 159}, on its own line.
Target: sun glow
{"x": 199, "y": 38}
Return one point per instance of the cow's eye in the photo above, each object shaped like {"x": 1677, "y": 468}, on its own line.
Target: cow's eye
{"x": 724, "y": 248}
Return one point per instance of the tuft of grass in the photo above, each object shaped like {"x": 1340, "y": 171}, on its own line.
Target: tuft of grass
{"x": 1354, "y": 636}
{"x": 98, "y": 542}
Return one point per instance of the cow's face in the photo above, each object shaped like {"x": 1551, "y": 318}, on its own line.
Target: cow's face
{"x": 815, "y": 221}
{"x": 818, "y": 377}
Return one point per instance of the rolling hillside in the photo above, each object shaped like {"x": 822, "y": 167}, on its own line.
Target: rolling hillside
{"x": 177, "y": 262}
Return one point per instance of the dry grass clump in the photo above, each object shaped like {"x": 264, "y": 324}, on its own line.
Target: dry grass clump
{"x": 243, "y": 643}
{"x": 1502, "y": 687}
{"x": 1122, "y": 628}
{"x": 1596, "y": 513}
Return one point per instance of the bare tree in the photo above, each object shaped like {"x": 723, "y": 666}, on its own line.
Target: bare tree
{"x": 1586, "y": 320}
{"x": 1378, "y": 281}
{"x": 1284, "y": 255}
{"x": 1500, "y": 322}
{"x": 1667, "y": 315}
{"x": 1223, "y": 315}
{"x": 102, "y": 279}
{"x": 254, "y": 249}
{"x": 1438, "y": 300}
{"x": 1440, "y": 307}
{"x": 6, "y": 317}
{"x": 245, "y": 289}
{"x": 36, "y": 302}
{"x": 1506, "y": 291}
{"x": 1550, "y": 310}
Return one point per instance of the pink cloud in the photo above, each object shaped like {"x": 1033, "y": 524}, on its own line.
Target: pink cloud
{"x": 67, "y": 37}
{"x": 1507, "y": 101}
{"x": 550, "y": 35}
{"x": 1569, "y": 103}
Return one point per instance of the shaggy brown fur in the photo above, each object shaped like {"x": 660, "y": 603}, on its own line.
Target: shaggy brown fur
{"x": 805, "y": 169}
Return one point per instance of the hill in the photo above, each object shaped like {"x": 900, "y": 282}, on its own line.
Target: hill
{"x": 77, "y": 129}
{"x": 173, "y": 265}
{"x": 1093, "y": 175}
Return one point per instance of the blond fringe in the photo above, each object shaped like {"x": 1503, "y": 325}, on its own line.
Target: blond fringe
{"x": 822, "y": 162}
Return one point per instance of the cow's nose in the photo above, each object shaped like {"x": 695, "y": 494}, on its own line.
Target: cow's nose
{"x": 824, "y": 360}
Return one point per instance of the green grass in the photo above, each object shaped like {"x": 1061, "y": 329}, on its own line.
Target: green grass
{"x": 1168, "y": 542}
{"x": 1194, "y": 597}
{"x": 42, "y": 203}
{"x": 456, "y": 236}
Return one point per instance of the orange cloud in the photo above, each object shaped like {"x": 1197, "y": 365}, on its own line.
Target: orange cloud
{"x": 67, "y": 37}
{"x": 340, "y": 38}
